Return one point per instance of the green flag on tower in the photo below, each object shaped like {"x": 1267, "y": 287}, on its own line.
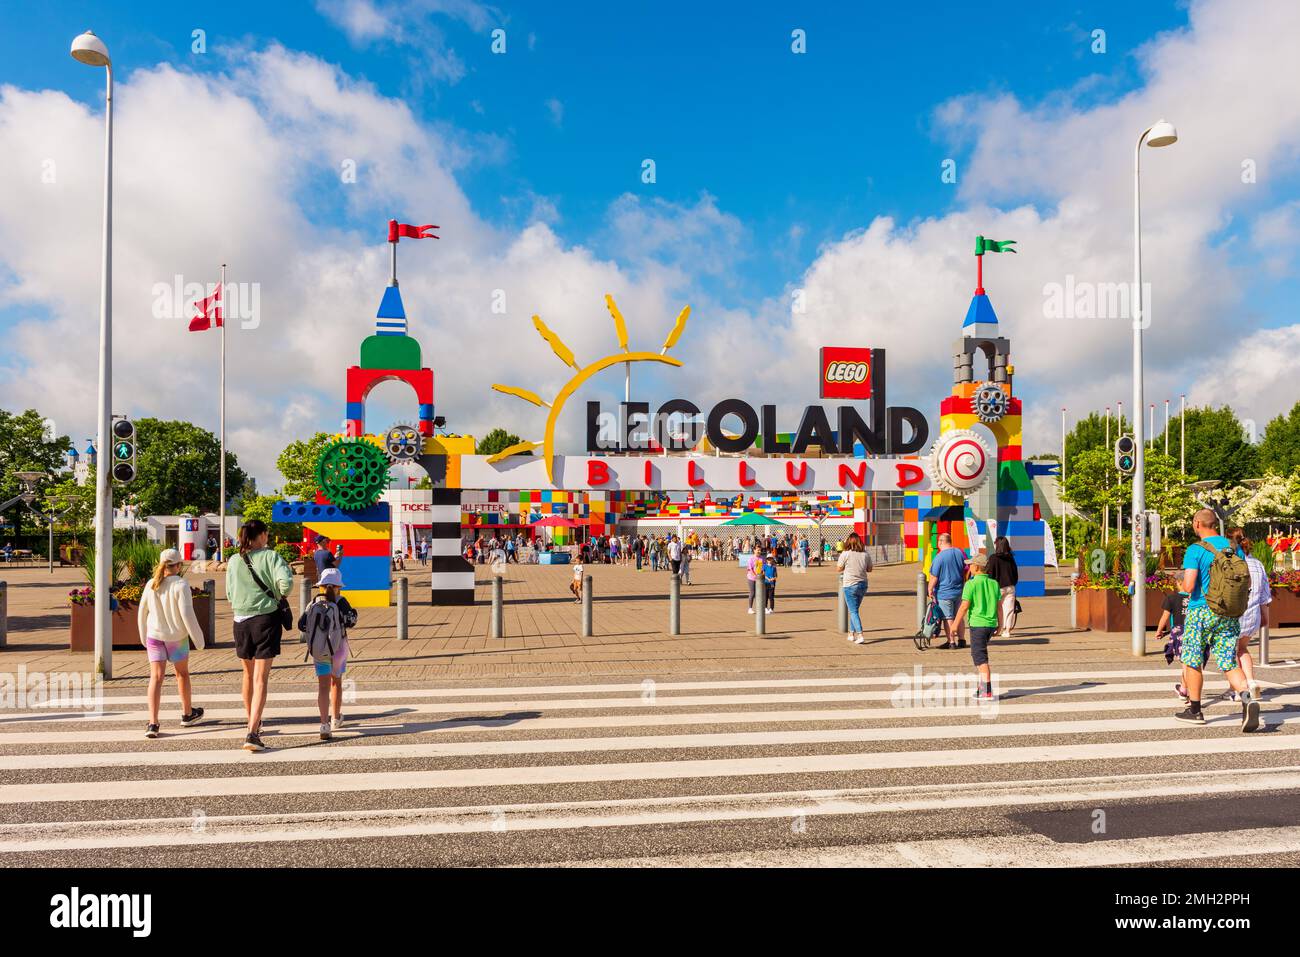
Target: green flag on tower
{"x": 983, "y": 246}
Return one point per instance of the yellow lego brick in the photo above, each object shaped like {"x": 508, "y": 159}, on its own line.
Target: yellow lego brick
{"x": 368, "y": 597}
{"x": 342, "y": 531}
{"x": 449, "y": 445}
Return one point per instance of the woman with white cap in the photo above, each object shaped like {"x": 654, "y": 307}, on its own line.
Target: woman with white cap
{"x": 167, "y": 622}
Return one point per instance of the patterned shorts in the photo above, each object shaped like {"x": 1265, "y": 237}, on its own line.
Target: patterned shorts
{"x": 1206, "y": 634}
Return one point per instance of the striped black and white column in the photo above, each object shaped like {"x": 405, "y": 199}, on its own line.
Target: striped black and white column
{"x": 452, "y": 574}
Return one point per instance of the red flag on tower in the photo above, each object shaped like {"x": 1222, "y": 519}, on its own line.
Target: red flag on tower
{"x": 209, "y": 310}
{"x": 397, "y": 230}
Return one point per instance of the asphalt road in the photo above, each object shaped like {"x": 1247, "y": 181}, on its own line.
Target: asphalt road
{"x": 1075, "y": 765}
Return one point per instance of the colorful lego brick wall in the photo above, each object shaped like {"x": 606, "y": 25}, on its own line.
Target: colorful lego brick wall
{"x": 366, "y": 537}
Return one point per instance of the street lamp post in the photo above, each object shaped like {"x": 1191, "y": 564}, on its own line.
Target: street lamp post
{"x": 1161, "y": 134}
{"x": 90, "y": 50}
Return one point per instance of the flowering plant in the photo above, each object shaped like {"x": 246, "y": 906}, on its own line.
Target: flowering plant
{"x": 81, "y": 596}
{"x": 1286, "y": 581}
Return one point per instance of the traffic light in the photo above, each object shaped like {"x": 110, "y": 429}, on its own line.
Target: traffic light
{"x": 1125, "y": 454}
{"x": 123, "y": 458}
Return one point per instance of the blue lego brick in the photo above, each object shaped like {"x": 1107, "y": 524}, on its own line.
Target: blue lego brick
{"x": 426, "y": 411}
{"x": 1031, "y": 589}
{"x": 355, "y": 410}
{"x": 309, "y": 511}
{"x": 1029, "y": 559}
{"x": 1016, "y": 497}
{"x": 1030, "y": 527}
{"x": 366, "y": 572}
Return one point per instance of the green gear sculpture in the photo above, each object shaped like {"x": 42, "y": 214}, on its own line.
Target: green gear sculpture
{"x": 352, "y": 473}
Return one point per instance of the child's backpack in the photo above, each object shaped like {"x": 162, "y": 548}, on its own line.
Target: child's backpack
{"x": 322, "y": 629}
{"x": 1227, "y": 590}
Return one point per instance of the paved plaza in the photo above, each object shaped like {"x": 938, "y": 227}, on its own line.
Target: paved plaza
{"x": 630, "y": 619}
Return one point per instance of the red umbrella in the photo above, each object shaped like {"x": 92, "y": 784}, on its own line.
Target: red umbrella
{"x": 557, "y": 521}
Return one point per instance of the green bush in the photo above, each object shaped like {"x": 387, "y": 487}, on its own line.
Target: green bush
{"x": 288, "y": 552}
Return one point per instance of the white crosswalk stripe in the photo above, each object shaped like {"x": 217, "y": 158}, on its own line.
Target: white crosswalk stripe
{"x": 702, "y": 753}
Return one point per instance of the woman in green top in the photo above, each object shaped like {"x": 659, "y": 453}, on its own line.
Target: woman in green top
{"x": 256, "y": 579}
{"x": 979, "y": 602}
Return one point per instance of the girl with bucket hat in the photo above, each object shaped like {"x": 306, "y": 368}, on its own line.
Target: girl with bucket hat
{"x": 166, "y": 622}
{"x": 325, "y": 626}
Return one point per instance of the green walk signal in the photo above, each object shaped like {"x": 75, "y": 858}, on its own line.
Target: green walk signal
{"x": 124, "y": 470}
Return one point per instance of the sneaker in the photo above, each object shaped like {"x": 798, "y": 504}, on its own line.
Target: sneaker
{"x": 985, "y": 694}
{"x": 1190, "y": 717}
{"x": 961, "y": 642}
{"x": 1250, "y": 714}
{"x": 859, "y": 640}
{"x": 151, "y": 730}
{"x": 751, "y": 611}
{"x": 1181, "y": 692}
{"x": 194, "y": 717}
{"x": 945, "y": 646}
{"x": 254, "y": 743}
{"x": 336, "y": 722}
{"x": 325, "y": 731}
{"x": 851, "y": 636}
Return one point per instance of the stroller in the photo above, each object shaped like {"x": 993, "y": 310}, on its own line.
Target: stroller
{"x": 931, "y": 625}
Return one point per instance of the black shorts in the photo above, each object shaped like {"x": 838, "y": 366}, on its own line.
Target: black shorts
{"x": 979, "y": 644}
{"x": 258, "y": 637}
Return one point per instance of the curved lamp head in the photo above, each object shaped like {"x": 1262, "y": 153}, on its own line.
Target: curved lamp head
{"x": 1162, "y": 134}
{"x": 90, "y": 50}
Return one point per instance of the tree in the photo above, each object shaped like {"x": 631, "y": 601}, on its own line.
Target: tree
{"x": 297, "y": 463}
{"x": 1272, "y": 500}
{"x": 496, "y": 441}
{"x": 1090, "y": 433}
{"x": 1217, "y": 445}
{"x": 27, "y": 445}
{"x": 259, "y": 507}
{"x": 1279, "y": 450}
{"x": 1087, "y": 490}
{"x": 178, "y": 467}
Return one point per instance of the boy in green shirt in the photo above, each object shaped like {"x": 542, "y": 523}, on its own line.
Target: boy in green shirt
{"x": 980, "y": 597}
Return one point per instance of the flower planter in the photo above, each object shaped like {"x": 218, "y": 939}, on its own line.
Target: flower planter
{"x": 1285, "y": 608}
{"x": 125, "y": 633}
{"x": 1103, "y": 609}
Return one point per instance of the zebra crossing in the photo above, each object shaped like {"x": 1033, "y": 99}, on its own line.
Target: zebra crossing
{"x": 818, "y": 769}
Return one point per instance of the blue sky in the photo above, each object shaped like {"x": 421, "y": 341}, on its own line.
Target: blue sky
{"x": 824, "y": 141}
{"x": 781, "y": 156}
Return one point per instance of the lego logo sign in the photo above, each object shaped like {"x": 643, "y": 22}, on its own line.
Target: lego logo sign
{"x": 846, "y": 373}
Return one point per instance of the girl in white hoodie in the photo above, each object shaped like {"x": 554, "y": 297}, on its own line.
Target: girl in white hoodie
{"x": 167, "y": 623}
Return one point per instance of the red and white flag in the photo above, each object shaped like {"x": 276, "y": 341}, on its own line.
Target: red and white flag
{"x": 209, "y": 310}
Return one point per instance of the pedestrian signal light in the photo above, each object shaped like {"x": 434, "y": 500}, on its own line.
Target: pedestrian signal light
{"x": 123, "y": 458}
{"x": 1125, "y": 454}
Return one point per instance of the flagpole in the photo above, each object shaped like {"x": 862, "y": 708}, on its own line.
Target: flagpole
{"x": 221, "y": 509}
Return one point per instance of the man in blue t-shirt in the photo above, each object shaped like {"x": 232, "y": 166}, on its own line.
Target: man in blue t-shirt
{"x": 1207, "y": 634}
{"x": 947, "y": 576}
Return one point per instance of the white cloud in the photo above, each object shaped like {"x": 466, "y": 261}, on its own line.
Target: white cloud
{"x": 556, "y": 110}
{"x": 235, "y": 165}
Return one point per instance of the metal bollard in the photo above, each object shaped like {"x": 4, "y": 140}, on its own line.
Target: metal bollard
{"x": 760, "y": 605}
{"x": 403, "y": 608}
{"x": 304, "y": 599}
{"x": 497, "y": 620}
{"x": 1074, "y": 601}
{"x": 1263, "y": 636}
{"x": 4, "y": 614}
{"x": 209, "y": 589}
{"x": 922, "y": 596}
{"x": 675, "y": 605}
{"x": 586, "y": 606}
{"x": 841, "y": 608}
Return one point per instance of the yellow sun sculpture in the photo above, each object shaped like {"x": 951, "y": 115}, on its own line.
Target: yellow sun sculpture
{"x": 582, "y": 374}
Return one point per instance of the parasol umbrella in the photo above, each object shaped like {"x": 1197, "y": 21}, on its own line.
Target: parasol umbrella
{"x": 753, "y": 518}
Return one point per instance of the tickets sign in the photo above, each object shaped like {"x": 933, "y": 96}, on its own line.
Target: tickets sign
{"x": 845, "y": 373}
